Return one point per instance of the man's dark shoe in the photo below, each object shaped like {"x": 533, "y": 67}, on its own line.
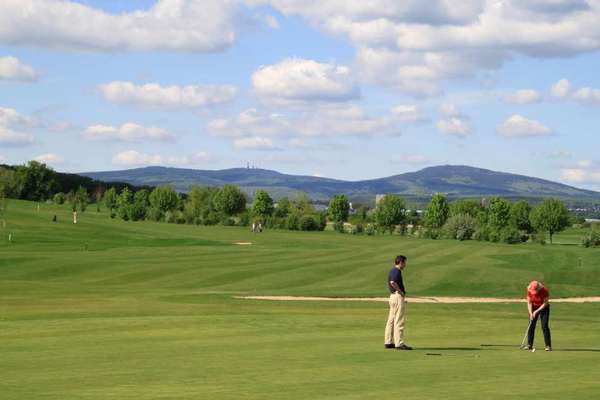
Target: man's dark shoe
{"x": 403, "y": 347}
{"x": 390, "y": 346}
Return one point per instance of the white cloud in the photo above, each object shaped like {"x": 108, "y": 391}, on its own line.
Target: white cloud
{"x": 297, "y": 80}
{"x": 272, "y": 22}
{"x": 584, "y": 172}
{"x": 12, "y": 138}
{"x": 560, "y": 154}
{"x": 128, "y": 132}
{"x": 182, "y": 25}
{"x": 455, "y": 126}
{"x": 450, "y": 110}
{"x": 561, "y": 88}
{"x": 254, "y": 143}
{"x": 133, "y": 158}
{"x": 408, "y": 113}
{"x": 519, "y": 126}
{"x": 12, "y": 125}
{"x": 155, "y": 96}
{"x": 523, "y": 96}
{"x": 320, "y": 122}
{"x": 50, "y": 159}
{"x": 414, "y": 46}
{"x": 587, "y": 95}
{"x": 3, "y": 160}
{"x": 11, "y": 69}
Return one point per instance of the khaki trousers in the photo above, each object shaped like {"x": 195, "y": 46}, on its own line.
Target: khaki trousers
{"x": 394, "y": 329}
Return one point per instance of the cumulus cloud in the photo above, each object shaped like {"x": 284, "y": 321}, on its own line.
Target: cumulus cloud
{"x": 587, "y": 95}
{"x": 50, "y": 159}
{"x": 561, "y": 88}
{"x": 182, "y": 25}
{"x": 296, "y": 80}
{"x": 523, "y": 96}
{"x": 412, "y": 159}
{"x": 13, "y": 127}
{"x": 133, "y": 158}
{"x": 128, "y": 132}
{"x": 328, "y": 121}
{"x": 408, "y": 113}
{"x": 519, "y": 126}
{"x": 155, "y": 96}
{"x": 455, "y": 126}
{"x": 254, "y": 143}
{"x": 12, "y": 69}
{"x": 584, "y": 172}
{"x": 415, "y": 46}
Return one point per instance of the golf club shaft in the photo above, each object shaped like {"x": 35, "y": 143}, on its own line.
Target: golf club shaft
{"x": 526, "y": 333}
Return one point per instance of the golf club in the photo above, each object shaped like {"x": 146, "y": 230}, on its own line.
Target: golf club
{"x": 525, "y": 337}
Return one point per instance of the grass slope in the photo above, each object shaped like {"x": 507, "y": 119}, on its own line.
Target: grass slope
{"x": 110, "y": 309}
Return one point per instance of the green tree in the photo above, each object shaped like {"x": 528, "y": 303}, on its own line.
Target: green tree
{"x": 303, "y": 205}
{"x": 110, "y": 200}
{"x": 519, "y": 216}
{"x": 436, "y": 213}
{"x": 339, "y": 208}
{"x": 283, "y": 208}
{"x": 262, "y": 206}
{"x": 36, "y": 180}
{"x": 163, "y": 199}
{"x": 199, "y": 204}
{"x": 498, "y": 213}
{"x": 230, "y": 200}
{"x": 390, "y": 211}
{"x": 59, "y": 198}
{"x": 551, "y": 216}
{"x": 124, "y": 202}
{"x": 465, "y": 206}
{"x": 81, "y": 199}
{"x": 141, "y": 202}
{"x": 9, "y": 183}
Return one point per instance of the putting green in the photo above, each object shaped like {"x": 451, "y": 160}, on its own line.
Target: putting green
{"x": 108, "y": 309}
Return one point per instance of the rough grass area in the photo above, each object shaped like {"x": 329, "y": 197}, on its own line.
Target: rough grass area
{"x": 112, "y": 309}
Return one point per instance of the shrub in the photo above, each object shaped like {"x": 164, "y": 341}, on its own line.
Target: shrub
{"x": 169, "y": 217}
{"x": 510, "y": 236}
{"x": 59, "y": 198}
{"x": 359, "y": 228}
{"x": 370, "y": 230}
{"x": 293, "y": 222}
{"x": 482, "y": 233}
{"x": 154, "y": 214}
{"x": 460, "y": 227}
{"x": 309, "y": 223}
{"x": 227, "y": 221}
{"x": 244, "y": 219}
{"x": 338, "y": 226}
{"x": 539, "y": 238}
{"x": 592, "y": 239}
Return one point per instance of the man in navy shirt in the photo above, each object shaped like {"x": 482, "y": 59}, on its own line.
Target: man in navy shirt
{"x": 394, "y": 329}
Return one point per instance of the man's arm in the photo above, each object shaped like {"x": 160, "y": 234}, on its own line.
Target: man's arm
{"x": 530, "y": 309}
{"x": 397, "y": 288}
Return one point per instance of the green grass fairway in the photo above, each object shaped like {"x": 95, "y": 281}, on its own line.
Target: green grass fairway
{"x": 109, "y": 309}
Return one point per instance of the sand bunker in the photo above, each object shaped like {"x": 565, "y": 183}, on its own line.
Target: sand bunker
{"x": 243, "y": 243}
{"x": 429, "y": 300}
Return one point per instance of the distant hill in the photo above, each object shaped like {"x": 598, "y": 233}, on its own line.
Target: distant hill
{"x": 454, "y": 181}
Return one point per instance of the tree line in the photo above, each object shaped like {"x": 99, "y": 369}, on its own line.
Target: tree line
{"x": 495, "y": 219}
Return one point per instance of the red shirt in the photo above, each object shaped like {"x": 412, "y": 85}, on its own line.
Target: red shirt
{"x": 538, "y": 298}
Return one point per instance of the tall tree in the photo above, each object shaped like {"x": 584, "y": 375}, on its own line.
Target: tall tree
{"x": 124, "y": 202}
{"x": 141, "y": 202}
{"x": 81, "y": 198}
{"x": 262, "y": 205}
{"x": 230, "y": 200}
{"x": 110, "y": 200}
{"x": 36, "y": 180}
{"x": 283, "y": 208}
{"x": 519, "y": 216}
{"x": 465, "y": 206}
{"x": 498, "y": 213}
{"x": 437, "y": 212}
{"x": 164, "y": 198}
{"x": 339, "y": 208}
{"x": 390, "y": 211}
{"x": 551, "y": 216}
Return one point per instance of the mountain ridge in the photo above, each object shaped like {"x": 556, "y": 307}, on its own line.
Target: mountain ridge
{"x": 452, "y": 180}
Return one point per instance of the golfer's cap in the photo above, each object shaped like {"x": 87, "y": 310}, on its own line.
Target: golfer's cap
{"x": 533, "y": 286}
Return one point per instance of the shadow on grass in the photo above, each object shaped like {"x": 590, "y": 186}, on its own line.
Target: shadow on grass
{"x": 449, "y": 349}
{"x": 568, "y": 350}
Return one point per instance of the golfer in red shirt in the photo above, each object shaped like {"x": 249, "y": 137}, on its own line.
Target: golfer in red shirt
{"x": 538, "y": 306}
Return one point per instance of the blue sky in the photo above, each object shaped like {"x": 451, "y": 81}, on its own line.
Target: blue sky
{"x": 338, "y": 88}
